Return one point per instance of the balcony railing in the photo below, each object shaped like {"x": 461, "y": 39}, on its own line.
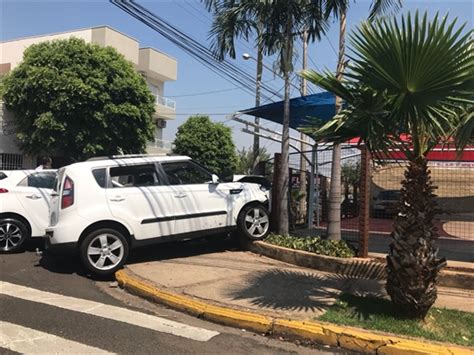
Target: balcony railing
{"x": 164, "y": 101}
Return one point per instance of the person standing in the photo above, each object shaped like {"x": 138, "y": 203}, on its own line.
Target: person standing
{"x": 45, "y": 163}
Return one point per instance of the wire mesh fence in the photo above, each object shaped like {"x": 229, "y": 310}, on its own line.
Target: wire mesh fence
{"x": 453, "y": 181}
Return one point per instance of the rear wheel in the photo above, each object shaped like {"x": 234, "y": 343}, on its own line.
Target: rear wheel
{"x": 104, "y": 251}
{"x": 254, "y": 222}
{"x": 13, "y": 235}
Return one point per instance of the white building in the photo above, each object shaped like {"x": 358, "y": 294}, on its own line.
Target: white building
{"x": 157, "y": 68}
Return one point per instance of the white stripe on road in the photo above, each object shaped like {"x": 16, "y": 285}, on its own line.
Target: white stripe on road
{"x": 106, "y": 311}
{"x": 29, "y": 341}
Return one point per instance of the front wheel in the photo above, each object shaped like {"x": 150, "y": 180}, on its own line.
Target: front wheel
{"x": 254, "y": 222}
{"x": 104, "y": 251}
{"x": 13, "y": 235}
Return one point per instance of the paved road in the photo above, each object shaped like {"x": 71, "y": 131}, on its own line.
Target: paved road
{"x": 51, "y": 306}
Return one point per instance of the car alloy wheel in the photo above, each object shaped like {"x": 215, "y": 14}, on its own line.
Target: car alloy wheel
{"x": 12, "y": 235}
{"x": 105, "y": 252}
{"x": 256, "y": 222}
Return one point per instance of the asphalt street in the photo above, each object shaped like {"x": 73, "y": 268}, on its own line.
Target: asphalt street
{"x": 49, "y": 305}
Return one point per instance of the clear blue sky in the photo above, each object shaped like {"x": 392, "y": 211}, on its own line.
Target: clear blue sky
{"x": 26, "y": 18}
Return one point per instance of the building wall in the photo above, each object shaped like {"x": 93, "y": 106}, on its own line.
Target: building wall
{"x": 7, "y": 131}
{"x": 155, "y": 66}
{"x": 12, "y": 51}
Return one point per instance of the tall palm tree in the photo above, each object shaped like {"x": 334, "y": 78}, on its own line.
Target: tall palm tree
{"x": 338, "y": 9}
{"x": 406, "y": 83}
{"x": 281, "y": 21}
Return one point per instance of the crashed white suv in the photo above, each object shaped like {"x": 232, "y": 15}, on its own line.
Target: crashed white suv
{"x": 104, "y": 207}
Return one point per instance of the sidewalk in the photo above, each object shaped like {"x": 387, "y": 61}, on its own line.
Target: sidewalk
{"x": 246, "y": 281}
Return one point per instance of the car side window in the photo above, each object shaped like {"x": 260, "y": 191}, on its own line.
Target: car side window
{"x": 42, "y": 180}
{"x": 186, "y": 173}
{"x": 134, "y": 176}
{"x": 100, "y": 177}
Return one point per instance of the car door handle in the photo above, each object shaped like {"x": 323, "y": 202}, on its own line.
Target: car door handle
{"x": 180, "y": 196}
{"x": 117, "y": 199}
{"x": 33, "y": 197}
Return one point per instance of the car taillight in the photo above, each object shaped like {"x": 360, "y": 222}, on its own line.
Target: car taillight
{"x": 67, "y": 198}
{"x": 2, "y": 190}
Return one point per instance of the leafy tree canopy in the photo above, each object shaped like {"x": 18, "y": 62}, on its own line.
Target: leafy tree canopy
{"x": 79, "y": 100}
{"x": 209, "y": 143}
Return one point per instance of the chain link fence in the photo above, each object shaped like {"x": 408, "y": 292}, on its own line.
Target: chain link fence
{"x": 454, "y": 182}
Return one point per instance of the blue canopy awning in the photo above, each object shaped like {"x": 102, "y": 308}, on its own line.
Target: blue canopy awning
{"x": 320, "y": 106}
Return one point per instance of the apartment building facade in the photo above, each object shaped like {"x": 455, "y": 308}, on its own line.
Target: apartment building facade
{"x": 156, "y": 67}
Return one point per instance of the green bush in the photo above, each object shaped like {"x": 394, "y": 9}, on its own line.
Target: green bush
{"x": 317, "y": 245}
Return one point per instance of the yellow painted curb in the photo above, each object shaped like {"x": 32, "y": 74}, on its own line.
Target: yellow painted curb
{"x": 245, "y": 320}
{"x": 345, "y": 337}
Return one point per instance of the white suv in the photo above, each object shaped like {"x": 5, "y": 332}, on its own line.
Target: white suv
{"x": 103, "y": 207}
{"x": 24, "y": 203}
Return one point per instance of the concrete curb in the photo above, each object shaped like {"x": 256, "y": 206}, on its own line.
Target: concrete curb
{"x": 353, "y": 267}
{"x": 345, "y": 337}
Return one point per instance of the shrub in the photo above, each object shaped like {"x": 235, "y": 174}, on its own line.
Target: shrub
{"x": 317, "y": 245}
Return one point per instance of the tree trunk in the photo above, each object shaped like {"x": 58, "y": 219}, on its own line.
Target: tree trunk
{"x": 283, "y": 226}
{"x": 303, "y": 185}
{"x": 334, "y": 218}
{"x": 411, "y": 264}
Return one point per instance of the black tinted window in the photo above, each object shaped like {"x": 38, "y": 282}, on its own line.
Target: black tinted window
{"x": 186, "y": 173}
{"x": 133, "y": 176}
{"x": 99, "y": 176}
{"x": 44, "y": 180}
{"x": 2, "y": 175}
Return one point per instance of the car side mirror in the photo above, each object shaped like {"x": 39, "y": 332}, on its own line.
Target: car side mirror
{"x": 215, "y": 179}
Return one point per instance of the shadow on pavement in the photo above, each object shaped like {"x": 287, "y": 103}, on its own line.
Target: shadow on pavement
{"x": 174, "y": 250}
{"x": 287, "y": 290}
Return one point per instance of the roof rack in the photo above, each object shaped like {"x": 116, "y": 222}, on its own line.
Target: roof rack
{"x": 126, "y": 156}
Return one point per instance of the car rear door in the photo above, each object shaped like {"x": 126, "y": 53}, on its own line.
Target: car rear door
{"x": 34, "y": 195}
{"x": 136, "y": 195}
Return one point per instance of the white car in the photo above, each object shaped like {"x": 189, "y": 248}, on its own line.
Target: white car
{"x": 24, "y": 202}
{"x": 104, "y": 207}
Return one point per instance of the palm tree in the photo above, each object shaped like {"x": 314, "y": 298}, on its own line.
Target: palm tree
{"x": 338, "y": 9}
{"x": 281, "y": 22}
{"x": 406, "y": 83}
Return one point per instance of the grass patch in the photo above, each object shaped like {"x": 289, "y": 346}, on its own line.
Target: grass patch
{"x": 317, "y": 245}
{"x": 379, "y": 314}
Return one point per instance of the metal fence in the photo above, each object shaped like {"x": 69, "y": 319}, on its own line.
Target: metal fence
{"x": 454, "y": 182}
{"x": 11, "y": 161}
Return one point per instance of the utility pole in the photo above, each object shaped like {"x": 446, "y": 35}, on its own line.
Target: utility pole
{"x": 302, "y": 201}
{"x": 258, "y": 80}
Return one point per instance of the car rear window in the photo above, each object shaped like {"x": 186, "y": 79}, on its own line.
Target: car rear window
{"x": 100, "y": 177}
{"x": 3, "y": 175}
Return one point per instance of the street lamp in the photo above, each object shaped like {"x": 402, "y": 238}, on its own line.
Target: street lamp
{"x": 247, "y": 56}
{"x": 258, "y": 80}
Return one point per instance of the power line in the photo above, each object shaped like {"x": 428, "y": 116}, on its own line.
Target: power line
{"x": 225, "y": 69}
{"x": 205, "y": 92}
{"x": 213, "y": 91}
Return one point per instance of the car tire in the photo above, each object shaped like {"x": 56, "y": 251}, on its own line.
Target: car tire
{"x": 13, "y": 235}
{"x": 253, "y": 222}
{"x": 104, "y": 251}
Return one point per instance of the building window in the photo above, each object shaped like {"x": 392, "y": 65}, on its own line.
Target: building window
{"x": 11, "y": 161}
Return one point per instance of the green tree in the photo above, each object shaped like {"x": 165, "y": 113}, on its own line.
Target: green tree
{"x": 281, "y": 22}
{"x": 246, "y": 159}
{"x": 209, "y": 143}
{"x": 405, "y": 79}
{"x": 79, "y": 100}
{"x": 351, "y": 178}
